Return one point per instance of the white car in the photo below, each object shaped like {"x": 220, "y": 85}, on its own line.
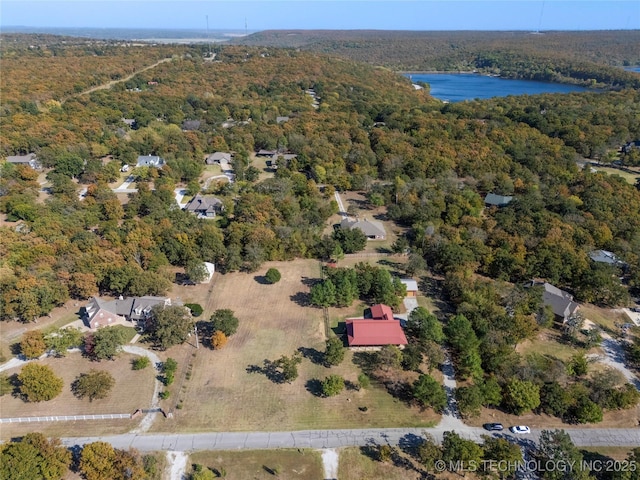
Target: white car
{"x": 520, "y": 429}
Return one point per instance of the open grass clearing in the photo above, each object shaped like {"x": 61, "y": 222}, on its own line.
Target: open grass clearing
{"x": 609, "y": 320}
{"x": 132, "y": 390}
{"x": 617, "y": 453}
{"x": 548, "y": 343}
{"x": 263, "y": 464}
{"x": 274, "y": 321}
{"x": 629, "y": 177}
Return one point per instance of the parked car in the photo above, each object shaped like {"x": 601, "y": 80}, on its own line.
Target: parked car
{"x": 125, "y": 168}
{"x": 520, "y": 429}
{"x": 493, "y": 427}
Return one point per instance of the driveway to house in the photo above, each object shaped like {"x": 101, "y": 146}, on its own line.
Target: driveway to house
{"x": 615, "y": 358}
{"x": 148, "y": 419}
{"x": 341, "y": 210}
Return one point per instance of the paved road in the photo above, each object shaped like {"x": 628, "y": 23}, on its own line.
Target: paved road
{"x": 596, "y": 437}
{"x": 341, "y": 210}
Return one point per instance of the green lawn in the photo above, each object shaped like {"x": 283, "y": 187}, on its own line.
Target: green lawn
{"x": 629, "y": 177}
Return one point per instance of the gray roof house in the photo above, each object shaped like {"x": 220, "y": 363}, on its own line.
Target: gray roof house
{"x": 218, "y": 157}
{"x": 30, "y": 160}
{"x": 497, "y": 200}
{"x": 150, "y": 161}
{"x": 604, "y": 256}
{"x": 282, "y": 119}
{"x": 561, "y": 302}
{"x": 102, "y": 313}
{"x": 205, "y": 206}
{"x": 372, "y": 229}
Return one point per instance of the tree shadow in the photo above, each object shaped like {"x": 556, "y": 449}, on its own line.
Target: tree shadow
{"x": 410, "y": 443}
{"x": 269, "y": 369}
{"x": 365, "y": 361}
{"x": 301, "y": 298}
{"x": 310, "y": 281}
{"x": 315, "y": 356}
{"x": 349, "y": 385}
{"x": 270, "y": 471}
{"x": 261, "y": 279}
{"x": 314, "y": 387}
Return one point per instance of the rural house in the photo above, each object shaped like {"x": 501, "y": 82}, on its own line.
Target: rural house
{"x": 205, "y": 206}
{"x": 604, "y": 256}
{"x": 218, "y": 157}
{"x": 561, "y": 302}
{"x": 497, "y": 200}
{"x": 30, "y": 160}
{"x": 372, "y": 229}
{"x": 102, "y": 313}
{"x": 411, "y": 285}
{"x": 376, "y": 329}
{"x": 150, "y": 161}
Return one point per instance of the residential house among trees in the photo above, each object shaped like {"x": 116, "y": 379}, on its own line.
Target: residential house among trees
{"x": 30, "y": 160}
{"x": 411, "y": 285}
{"x": 150, "y": 161}
{"x": 497, "y": 200}
{"x": 102, "y": 313}
{"x": 372, "y": 229}
{"x": 377, "y": 328}
{"x": 561, "y": 302}
{"x": 218, "y": 157}
{"x": 205, "y": 206}
{"x": 604, "y": 256}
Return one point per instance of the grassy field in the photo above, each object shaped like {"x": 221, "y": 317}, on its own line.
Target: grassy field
{"x": 263, "y": 464}
{"x": 605, "y": 318}
{"x": 120, "y": 400}
{"x": 221, "y": 394}
{"x": 631, "y": 178}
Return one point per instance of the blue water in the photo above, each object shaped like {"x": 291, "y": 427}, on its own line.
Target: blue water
{"x": 632, "y": 69}
{"x": 456, "y": 87}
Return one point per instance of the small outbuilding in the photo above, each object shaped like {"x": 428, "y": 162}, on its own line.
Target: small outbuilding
{"x": 497, "y": 200}
{"x": 411, "y": 285}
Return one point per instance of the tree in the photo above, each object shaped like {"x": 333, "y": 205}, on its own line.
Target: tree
{"x": 218, "y": 340}
{"x": 169, "y": 368}
{"x": 556, "y": 446}
{"x": 323, "y": 294}
{"x": 351, "y": 240}
{"x": 578, "y": 365}
{"x": 107, "y": 342}
{"x": 196, "y": 271}
{"x": 140, "y": 363}
{"x": 554, "y": 400}
{"x": 424, "y": 326}
{"x": 520, "y": 396}
{"x": 34, "y": 456}
{"x": 429, "y": 452}
{"x": 415, "y": 264}
{"x": 470, "y": 400}
{"x": 456, "y": 449}
{"x": 200, "y": 472}
{"x": 502, "y": 450}
{"x": 363, "y": 381}
{"x": 59, "y": 341}
{"x": 6, "y": 386}
{"x": 288, "y": 367}
{"x": 332, "y": 385}
{"x": 429, "y": 393}
{"x": 99, "y": 460}
{"x": 411, "y": 357}
{"x": 334, "y": 351}
{"x": 32, "y": 344}
{"x": 273, "y": 275}
{"x": 95, "y": 384}
{"x": 225, "y": 321}
{"x": 169, "y": 325}
{"x": 389, "y": 357}
{"x": 39, "y": 383}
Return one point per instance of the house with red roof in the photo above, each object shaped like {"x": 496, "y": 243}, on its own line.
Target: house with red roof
{"x": 376, "y": 329}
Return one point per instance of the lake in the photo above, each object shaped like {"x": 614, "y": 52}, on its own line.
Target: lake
{"x": 456, "y": 87}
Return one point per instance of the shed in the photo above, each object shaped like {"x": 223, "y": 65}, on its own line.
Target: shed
{"x": 412, "y": 286}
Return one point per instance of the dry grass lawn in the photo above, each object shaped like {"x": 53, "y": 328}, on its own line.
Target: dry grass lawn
{"x": 120, "y": 400}
{"x": 263, "y": 464}
{"x": 222, "y": 395}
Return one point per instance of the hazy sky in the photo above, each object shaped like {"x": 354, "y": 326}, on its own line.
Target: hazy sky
{"x": 327, "y": 14}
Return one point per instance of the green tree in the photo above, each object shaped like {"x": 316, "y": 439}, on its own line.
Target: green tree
{"x": 332, "y": 385}
{"x": 95, "y": 384}
{"x": 411, "y": 357}
{"x": 169, "y": 368}
{"x": 200, "y": 472}
{"x": 557, "y": 446}
{"x": 32, "y": 344}
{"x": 140, "y": 363}
{"x": 457, "y": 449}
{"x": 554, "y": 399}
{"x": 429, "y": 393}
{"x": 334, "y": 351}
{"x": 429, "y": 451}
{"x": 108, "y": 342}
{"x": 39, "y": 383}
{"x": 424, "y": 326}
{"x": 225, "y": 321}
{"x": 6, "y": 386}
{"x": 288, "y": 367}
{"x": 169, "y": 325}
{"x": 502, "y": 450}
{"x": 470, "y": 400}
{"x": 62, "y": 339}
{"x": 389, "y": 357}
{"x": 520, "y": 396}
{"x": 351, "y": 240}
{"x": 363, "y": 381}
{"x": 578, "y": 365}
{"x": 323, "y": 294}
{"x": 273, "y": 275}
{"x": 34, "y": 456}
{"x": 196, "y": 270}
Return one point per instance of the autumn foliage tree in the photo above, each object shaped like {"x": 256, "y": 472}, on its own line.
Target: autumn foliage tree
{"x": 33, "y": 344}
{"x": 99, "y": 460}
{"x": 34, "y": 456}
{"x": 39, "y": 383}
{"x": 218, "y": 340}
{"x": 94, "y": 385}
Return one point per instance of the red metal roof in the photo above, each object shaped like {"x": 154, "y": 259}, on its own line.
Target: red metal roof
{"x": 381, "y": 312}
{"x": 364, "y": 332}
